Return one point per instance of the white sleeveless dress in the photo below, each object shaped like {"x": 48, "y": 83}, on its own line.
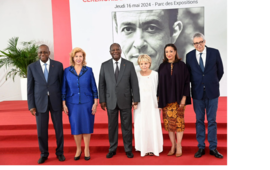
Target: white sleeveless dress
{"x": 147, "y": 124}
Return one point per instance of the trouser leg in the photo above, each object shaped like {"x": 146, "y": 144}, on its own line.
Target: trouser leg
{"x": 199, "y": 108}
{"x": 211, "y": 111}
{"x": 58, "y": 127}
{"x": 126, "y": 126}
{"x": 42, "y": 120}
{"x": 113, "y": 129}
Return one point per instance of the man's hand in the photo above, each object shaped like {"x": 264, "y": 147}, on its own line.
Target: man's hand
{"x": 103, "y": 106}
{"x": 135, "y": 105}
{"x": 33, "y": 111}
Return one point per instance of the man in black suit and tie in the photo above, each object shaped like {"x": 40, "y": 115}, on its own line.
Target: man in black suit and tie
{"x": 118, "y": 89}
{"x": 206, "y": 70}
{"x": 44, "y": 79}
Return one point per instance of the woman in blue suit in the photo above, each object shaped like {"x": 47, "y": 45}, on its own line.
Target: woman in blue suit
{"x": 79, "y": 93}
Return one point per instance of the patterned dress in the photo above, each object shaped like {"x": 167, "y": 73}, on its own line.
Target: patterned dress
{"x": 173, "y": 118}
{"x": 173, "y": 85}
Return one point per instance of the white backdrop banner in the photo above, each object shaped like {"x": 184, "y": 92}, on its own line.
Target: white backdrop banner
{"x": 145, "y": 27}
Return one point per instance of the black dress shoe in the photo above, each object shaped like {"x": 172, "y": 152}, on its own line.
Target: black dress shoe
{"x": 110, "y": 154}
{"x": 199, "y": 153}
{"x": 61, "y": 157}
{"x": 78, "y": 157}
{"x": 42, "y": 160}
{"x": 129, "y": 154}
{"x": 87, "y": 158}
{"x": 216, "y": 153}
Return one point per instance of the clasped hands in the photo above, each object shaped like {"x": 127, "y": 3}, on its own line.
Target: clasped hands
{"x": 94, "y": 109}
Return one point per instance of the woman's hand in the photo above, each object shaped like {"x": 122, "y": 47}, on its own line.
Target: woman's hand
{"x": 181, "y": 105}
{"x": 94, "y": 109}
{"x": 183, "y": 102}
{"x": 65, "y": 109}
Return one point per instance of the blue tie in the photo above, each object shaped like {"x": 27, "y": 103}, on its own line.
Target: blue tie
{"x": 46, "y": 72}
{"x": 201, "y": 62}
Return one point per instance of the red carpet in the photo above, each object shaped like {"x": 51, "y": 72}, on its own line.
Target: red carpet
{"x": 19, "y": 144}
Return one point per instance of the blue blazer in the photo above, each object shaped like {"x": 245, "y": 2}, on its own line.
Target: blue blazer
{"x": 79, "y": 89}
{"x": 211, "y": 76}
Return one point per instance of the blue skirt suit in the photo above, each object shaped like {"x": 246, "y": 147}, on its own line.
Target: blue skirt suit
{"x": 79, "y": 92}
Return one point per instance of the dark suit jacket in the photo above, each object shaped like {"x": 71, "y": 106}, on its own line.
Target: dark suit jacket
{"x": 211, "y": 76}
{"x": 37, "y": 87}
{"x": 121, "y": 92}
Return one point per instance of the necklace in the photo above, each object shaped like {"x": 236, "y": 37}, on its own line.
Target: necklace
{"x": 171, "y": 68}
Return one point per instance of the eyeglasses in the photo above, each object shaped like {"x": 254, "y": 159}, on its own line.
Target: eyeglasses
{"x": 44, "y": 52}
{"x": 197, "y": 43}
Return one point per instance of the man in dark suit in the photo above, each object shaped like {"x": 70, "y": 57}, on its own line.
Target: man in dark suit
{"x": 44, "y": 79}
{"x": 118, "y": 86}
{"x": 206, "y": 69}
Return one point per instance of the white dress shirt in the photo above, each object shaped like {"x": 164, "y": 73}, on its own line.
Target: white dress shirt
{"x": 119, "y": 64}
{"x": 203, "y": 56}
{"x": 43, "y": 68}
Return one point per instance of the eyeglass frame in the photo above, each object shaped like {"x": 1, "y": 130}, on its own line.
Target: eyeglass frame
{"x": 198, "y": 43}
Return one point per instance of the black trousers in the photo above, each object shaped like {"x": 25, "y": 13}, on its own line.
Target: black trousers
{"x": 42, "y": 120}
{"x": 126, "y": 126}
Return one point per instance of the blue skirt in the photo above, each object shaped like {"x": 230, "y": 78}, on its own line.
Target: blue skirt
{"x": 81, "y": 118}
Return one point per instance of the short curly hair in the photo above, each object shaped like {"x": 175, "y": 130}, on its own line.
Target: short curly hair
{"x": 144, "y": 57}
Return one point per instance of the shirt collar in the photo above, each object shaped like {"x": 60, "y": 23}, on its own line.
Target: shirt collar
{"x": 204, "y": 51}
{"x": 48, "y": 62}
{"x": 119, "y": 61}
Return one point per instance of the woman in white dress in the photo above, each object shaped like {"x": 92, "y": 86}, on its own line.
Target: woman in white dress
{"x": 147, "y": 125}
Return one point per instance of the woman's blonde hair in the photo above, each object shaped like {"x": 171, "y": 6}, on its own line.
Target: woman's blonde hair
{"x": 73, "y": 53}
{"x": 144, "y": 57}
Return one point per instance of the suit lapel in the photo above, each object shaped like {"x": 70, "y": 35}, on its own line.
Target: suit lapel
{"x": 39, "y": 70}
{"x": 111, "y": 71}
{"x": 51, "y": 69}
{"x": 207, "y": 58}
{"x": 122, "y": 70}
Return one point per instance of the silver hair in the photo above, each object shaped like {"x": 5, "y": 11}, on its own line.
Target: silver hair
{"x": 198, "y": 34}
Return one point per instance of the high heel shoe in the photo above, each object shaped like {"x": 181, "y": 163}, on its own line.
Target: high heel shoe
{"x": 179, "y": 154}
{"x": 78, "y": 157}
{"x": 171, "y": 153}
{"x": 87, "y": 158}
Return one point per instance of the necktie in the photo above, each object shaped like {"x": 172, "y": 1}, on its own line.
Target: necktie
{"x": 46, "y": 72}
{"x": 116, "y": 71}
{"x": 201, "y": 62}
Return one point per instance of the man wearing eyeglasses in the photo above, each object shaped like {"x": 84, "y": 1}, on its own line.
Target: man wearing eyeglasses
{"x": 44, "y": 79}
{"x": 118, "y": 89}
{"x": 206, "y": 70}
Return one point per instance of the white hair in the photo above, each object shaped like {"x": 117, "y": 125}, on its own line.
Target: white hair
{"x": 198, "y": 34}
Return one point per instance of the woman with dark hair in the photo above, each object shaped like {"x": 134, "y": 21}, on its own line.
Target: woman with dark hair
{"x": 174, "y": 95}
{"x": 80, "y": 95}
